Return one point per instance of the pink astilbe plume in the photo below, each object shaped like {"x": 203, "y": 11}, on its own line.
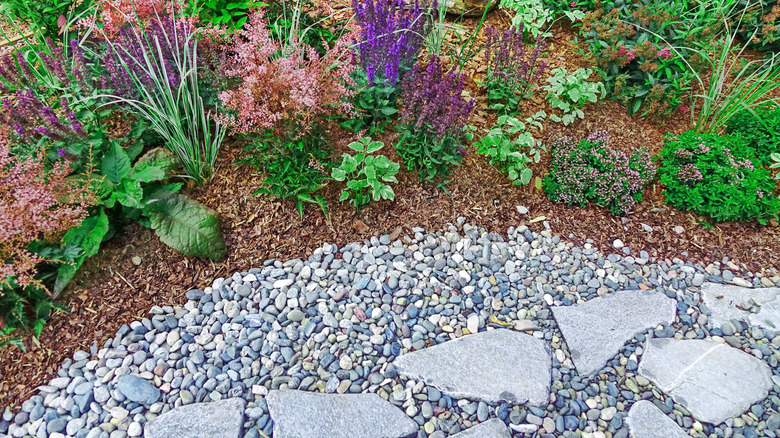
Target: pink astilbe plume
{"x": 284, "y": 88}
{"x": 34, "y": 204}
{"x": 115, "y": 14}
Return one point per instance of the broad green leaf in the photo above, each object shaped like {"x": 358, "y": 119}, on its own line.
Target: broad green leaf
{"x": 157, "y": 157}
{"x": 116, "y": 163}
{"x": 129, "y": 193}
{"x": 374, "y": 146}
{"x": 186, "y": 225}
{"x": 88, "y": 237}
{"x": 344, "y": 196}
{"x": 149, "y": 174}
{"x": 338, "y": 174}
{"x": 371, "y": 172}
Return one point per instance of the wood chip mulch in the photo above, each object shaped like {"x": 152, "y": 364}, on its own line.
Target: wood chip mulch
{"x": 111, "y": 289}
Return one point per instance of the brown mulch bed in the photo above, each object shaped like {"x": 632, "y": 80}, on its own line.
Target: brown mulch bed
{"x": 136, "y": 271}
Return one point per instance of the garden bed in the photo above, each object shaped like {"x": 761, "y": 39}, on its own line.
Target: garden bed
{"x": 135, "y": 271}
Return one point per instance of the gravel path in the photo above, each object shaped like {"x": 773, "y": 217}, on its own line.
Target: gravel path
{"x": 458, "y": 333}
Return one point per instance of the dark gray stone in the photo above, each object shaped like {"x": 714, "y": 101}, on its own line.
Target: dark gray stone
{"x": 137, "y": 389}
{"x": 222, "y": 419}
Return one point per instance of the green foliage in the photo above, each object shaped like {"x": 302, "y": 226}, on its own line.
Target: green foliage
{"x": 14, "y": 304}
{"x": 366, "y": 174}
{"x": 710, "y": 175}
{"x": 294, "y": 169}
{"x": 632, "y": 41}
{"x": 571, "y": 92}
{"x": 185, "y": 224}
{"x": 43, "y": 16}
{"x": 80, "y": 242}
{"x": 231, "y": 13}
{"x": 761, "y": 24}
{"x": 531, "y": 15}
{"x": 775, "y": 157}
{"x": 375, "y": 104}
{"x": 429, "y": 155}
{"x": 760, "y": 130}
{"x": 512, "y": 155}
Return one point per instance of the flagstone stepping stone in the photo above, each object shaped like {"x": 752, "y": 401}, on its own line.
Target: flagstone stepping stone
{"x": 494, "y": 366}
{"x": 645, "y": 420}
{"x": 595, "y": 330}
{"x": 302, "y": 414}
{"x": 223, "y": 418}
{"x": 724, "y": 299}
{"x": 494, "y": 428}
{"x": 712, "y": 380}
{"x": 137, "y": 389}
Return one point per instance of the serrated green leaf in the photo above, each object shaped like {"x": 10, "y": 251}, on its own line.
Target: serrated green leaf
{"x": 162, "y": 158}
{"x": 186, "y": 225}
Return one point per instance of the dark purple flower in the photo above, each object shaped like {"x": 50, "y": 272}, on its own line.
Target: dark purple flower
{"x": 61, "y": 152}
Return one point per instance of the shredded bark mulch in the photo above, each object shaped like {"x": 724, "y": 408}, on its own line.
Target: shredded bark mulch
{"x": 135, "y": 271}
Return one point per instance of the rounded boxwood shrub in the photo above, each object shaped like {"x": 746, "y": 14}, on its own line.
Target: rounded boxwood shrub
{"x": 592, "y": 170}
{"x": 711, "y": 175}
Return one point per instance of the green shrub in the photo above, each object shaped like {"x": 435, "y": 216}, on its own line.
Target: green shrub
{"x": 761, "y": 134}
{"x": 761, "y": 23}
{"x": 366, "y": 175}
{"x": 710, "y": 175}
{"x": 570, "y": 92}
{"x": 592, "y": 170}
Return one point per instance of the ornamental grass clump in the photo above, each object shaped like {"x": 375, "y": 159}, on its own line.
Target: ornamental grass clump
{"x": 713, "y": 175}
{"x": 155, "y": 78}
{"x": 433, "y": 119}
{"x": 512, "y": 68}
{"x": 591, "y": 169}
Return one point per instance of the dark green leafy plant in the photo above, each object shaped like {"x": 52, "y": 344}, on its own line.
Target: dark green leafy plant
{"x": 510, "y": 146}
{"x": 295, "y": 169}
{"x": 366, "y": 174}
{"x": 231, "y": 13}
{"x": 45, "y": 18}
{"x": 760, "y": 131}
{"x": 375, "y": 105}
{"x": 591, "y": 169}
{"x": 710, "y": 175}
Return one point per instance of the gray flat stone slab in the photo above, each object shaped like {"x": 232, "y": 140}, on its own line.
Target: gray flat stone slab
{"x": 223, "y": 418}
{"x": 302, "y": 414}
{"x": 595, "y": 330}
{"x": 645, "y": 420}
{"x": 494, "y": 428}
{"x": 724, "y": 299}
{"x": 712, "y": 380}
{"x": 494, "y": 366}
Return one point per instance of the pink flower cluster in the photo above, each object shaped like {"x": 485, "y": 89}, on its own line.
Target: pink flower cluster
{"x": 115, "y": 14}
{"x": 34, "y": 204}
{"x": 689, "y": 173}
{"x": 630, "y": 53}
{"x": 284, "y": 93}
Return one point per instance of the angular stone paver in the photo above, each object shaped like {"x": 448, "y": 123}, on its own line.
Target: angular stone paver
{"x": 494, "y": 366}
{"x": 223, "y": 418}
{"x": 301, "y": 414}
{"x": 494, "y": 428}
{"x": 712, "y": 380}
{"x": 645, "y": 420}
{"x": 595, "y": 330}
{"x": 724, "y": 299}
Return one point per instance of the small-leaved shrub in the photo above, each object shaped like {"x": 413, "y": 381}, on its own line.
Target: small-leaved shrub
{"x": 366, "y": 175}
{"x": 591, "y": 169}
{"x": 710, "y": 175}
{"x": 570, "y": 92}
{"x": 760, "y": 131}
{"x": 510, "y": 146}
{"x": 432, "y": 121}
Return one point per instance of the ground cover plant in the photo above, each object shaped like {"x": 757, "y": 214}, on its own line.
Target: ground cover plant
{"x": 280, "y": 85}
